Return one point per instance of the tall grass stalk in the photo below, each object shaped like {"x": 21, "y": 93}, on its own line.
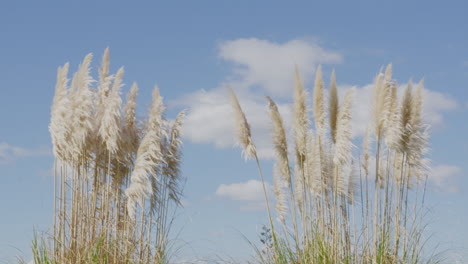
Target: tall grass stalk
{"x": 345, "y": 205}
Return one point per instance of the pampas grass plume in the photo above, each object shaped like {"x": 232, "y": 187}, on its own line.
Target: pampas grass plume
{"x": 130, "y": 129}
{"x": 343, "y": 144}
{"x": 278, "y": 189}
{"x": 82, "y": 107}
{"x": 172, "y": 158}
{"x": 60, "y": 114}
{"x": 243, "y": 128}
{"x": 319, "y": 103}
{"x": 279, "y": 142}
{"x": 148, "y": 157}
{"x": 110, "y": 122}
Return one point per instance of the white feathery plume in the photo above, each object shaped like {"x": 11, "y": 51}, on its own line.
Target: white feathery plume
{"x": 279, "y": 142}
{"x": 416, "y": 110}
{"x": 319, "y": 104}
{"x": 388, "y": 73}
{"x": 58, "y": 127}
{"x": 82, "y": 107}
{"x": 61, "y": 85}
{"x": 104, "y": 86}
{"x": 301, "y": 119}
{"x": 109, "y": 129}
{"x": 326, "y": 152}
{"x": 105, "y": 80}
{"x": 172, "y": 159}
{"x": 301, "y": 124}
{"x": 243, "y": 128}
{"x": 352, "y": 183}
{"x": 314, "y": 165}
{"x": 104, "y": 69}
{"x": 148, "y": 158}
{"x": 393, "y": 131}
{"x": 278, "y": 189}
{"x": 405, "y": 117}
{"x": 343, "y": 144}
{"x": 130, "y": 129}
{"x": 419, "y": 134}
{"x": 333, "y": 106}
{"x": 397, "y": 169}
{"x": 342, "y": 151}
{"x": 381, "y": 102}
{"x": 299, "y": 186}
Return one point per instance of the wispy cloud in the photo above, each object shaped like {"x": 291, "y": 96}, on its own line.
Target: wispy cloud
{"x": 250, "y": 193}
{"x": 445, "y": 177}
{"x": 10, "y": 153}
{"x": 270, "y": 65}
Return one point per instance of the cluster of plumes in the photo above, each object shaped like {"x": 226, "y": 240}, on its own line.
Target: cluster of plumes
{"x": 115, "y": 158}
{"x": 399, "y": 124}
{"x": 323, "y": 185}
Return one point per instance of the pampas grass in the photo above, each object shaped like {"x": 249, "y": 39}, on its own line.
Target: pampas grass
{"x": 117, "y": 178}
{"x": 335, "y": 217}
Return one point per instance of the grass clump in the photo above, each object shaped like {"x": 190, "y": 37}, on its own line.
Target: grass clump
{"x": 335, "y": 204}
{"x": 117, "y": 178}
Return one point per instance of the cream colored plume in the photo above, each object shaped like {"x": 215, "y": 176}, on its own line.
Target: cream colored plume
{"x": 109, "y": 129}
{"x": 301, "y": 118}
{"x": 60, "y": 114}
{"x": 278, "y": 189}
{"x": 393, "y": 130}
{"x": 352, "y": 183}
{"x": 104, "y": 69}
{"x": 105, "y": 80}
{"x": 82, "y": 108}
{"x": 419, "y": 134}
{"x": 301, "y": 125}
{"x": 343, "y": 144}
{"x": 149, "y": 157}
{"x": 243, "y": 128}
{"x": 279, "y": 142}
{"x": 405, "y": 117}
{"x": 314, "y": 165}
{"x": 130, "y": 129}
{"x": 172, "y": 158}
{"x": 319, "y": 104}
{"x": 382, "y": 100}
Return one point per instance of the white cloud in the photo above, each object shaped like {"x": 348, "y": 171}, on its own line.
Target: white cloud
{"x": 9, "y": 153}
{"x": 271, "y": 65}
{"x": 251, "y": 190}
{"x": 444, "y": 177}
{"x": 435, "y": 104}
{"x": 250, "y": 193}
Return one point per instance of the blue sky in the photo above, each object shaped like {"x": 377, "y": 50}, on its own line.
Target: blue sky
{"x": 192, "y": 49}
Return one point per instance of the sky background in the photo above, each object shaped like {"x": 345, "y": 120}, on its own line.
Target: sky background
{"x": 192, "y": 50}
